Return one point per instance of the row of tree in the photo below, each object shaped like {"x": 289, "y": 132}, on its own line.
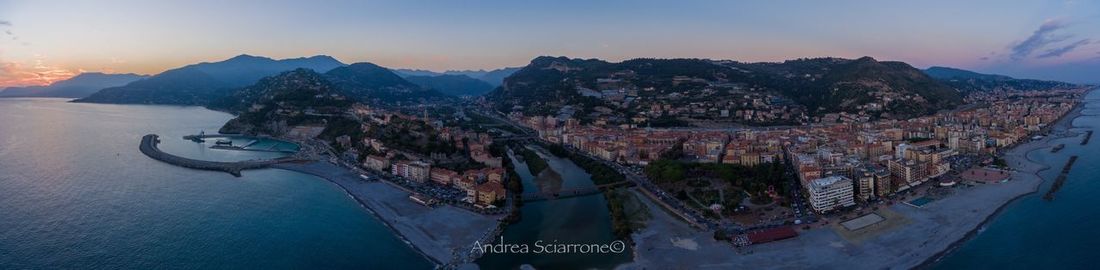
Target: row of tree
{"x": 754, "y": 179}
{"x": 601, "y": 173}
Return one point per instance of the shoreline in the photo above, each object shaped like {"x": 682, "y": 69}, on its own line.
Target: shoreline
{"x": 931, "y": 233}
{"x": 1016, "y": 154}
{"x": 362, "y": 204}
{"x": 436, "y": 233}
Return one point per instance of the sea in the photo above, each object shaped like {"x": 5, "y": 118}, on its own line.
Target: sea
{"x": 75, "y": 193}
{"x": 1033, "y": 233}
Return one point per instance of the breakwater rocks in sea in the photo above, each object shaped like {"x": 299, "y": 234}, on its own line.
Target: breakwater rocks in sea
{"x": 149, "y": 148}
{"x": 1057, "y": 148}
{"x": 1058, "y": 182}
{"x": 1088, "y": 135}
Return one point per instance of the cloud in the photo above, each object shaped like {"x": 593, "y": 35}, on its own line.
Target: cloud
{"x": 1056, "y": 52}
{"x": 17, "y": 74}
{"x": 5, "y": 23}
{"x": 1042, "y": 37}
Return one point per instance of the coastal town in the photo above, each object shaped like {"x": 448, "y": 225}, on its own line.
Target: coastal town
{"x": 451, "y": 184}
{"x": 832, "y": 171}
{"x": 841, "y": 164}
{"x": 522, "y": 135}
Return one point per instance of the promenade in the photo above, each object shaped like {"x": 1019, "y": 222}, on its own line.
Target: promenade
{"x": 149, "y": 148}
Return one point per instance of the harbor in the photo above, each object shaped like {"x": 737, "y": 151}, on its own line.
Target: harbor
{"x": 228, "y": 142}
{"x": 149, "y": 148}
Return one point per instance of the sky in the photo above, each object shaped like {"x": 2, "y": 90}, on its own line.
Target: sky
{"x": 42, "y": 41}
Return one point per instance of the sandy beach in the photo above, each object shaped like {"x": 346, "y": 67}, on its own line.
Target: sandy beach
{"x": 926, "y": 234}
{"x": 437, "y": 232}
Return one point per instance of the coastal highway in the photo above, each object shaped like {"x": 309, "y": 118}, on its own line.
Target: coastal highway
{"x": 149, "y": 148}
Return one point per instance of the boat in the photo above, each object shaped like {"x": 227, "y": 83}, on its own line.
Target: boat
{"x": 223, "y": 142}
{"x": 199, "y": 138}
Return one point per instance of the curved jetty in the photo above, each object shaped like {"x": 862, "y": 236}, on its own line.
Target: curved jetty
{"x": 149, "y": 148}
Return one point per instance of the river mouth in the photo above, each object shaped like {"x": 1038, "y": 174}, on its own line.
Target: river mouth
{"x": 573, "y": 220}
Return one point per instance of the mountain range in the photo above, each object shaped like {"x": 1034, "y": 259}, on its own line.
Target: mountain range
{"x": 700, "y": 89}
{"x": 454, "y": 85}
{"x": 201, "y": 83}
{"x": 637, "y": 90}
{"x": 492, "y": 77}
{"x": 968, "y": 81}
{"x": 78, "y": 86}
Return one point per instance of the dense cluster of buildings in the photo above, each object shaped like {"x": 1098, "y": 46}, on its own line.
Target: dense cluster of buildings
{"x": 483, "y": 186}
{"x": 836, "y": 164}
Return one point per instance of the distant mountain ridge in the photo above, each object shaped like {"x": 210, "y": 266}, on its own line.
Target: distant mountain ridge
{"x": 493, "y": 77}
{"x": 246, "y": 69}
{"x": 78, "y": 86}
{"x": 201, "y": 83}
{"x": 939, "y": 72}
{"x": 360, "y": 82}
{"x": 968, "y": 81}
{"x": 454, "y": 85}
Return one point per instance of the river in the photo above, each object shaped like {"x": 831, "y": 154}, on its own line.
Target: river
{"x": 75, "y": 193}
{"x": 582, "y": 220}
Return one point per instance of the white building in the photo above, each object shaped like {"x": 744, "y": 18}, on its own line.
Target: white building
{"x": 830, "y": 193}
{"x": 417, "y": 171}
{"x": 899, "y": 152}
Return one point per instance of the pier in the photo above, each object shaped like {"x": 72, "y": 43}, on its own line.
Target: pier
{"x": 149, "y": 148}
{"x": 1058, "y": 182}
{"x": 206, "y": 136}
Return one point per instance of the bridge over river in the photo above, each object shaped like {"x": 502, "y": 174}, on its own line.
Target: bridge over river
{"x": 149, "y": 148}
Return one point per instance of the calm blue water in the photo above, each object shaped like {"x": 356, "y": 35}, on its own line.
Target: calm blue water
{"x": 1036, "y": 234}
{"x": 75, "y": 193}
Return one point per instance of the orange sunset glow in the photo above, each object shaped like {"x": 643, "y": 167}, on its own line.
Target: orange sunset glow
{"x": 16, "y": 74}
